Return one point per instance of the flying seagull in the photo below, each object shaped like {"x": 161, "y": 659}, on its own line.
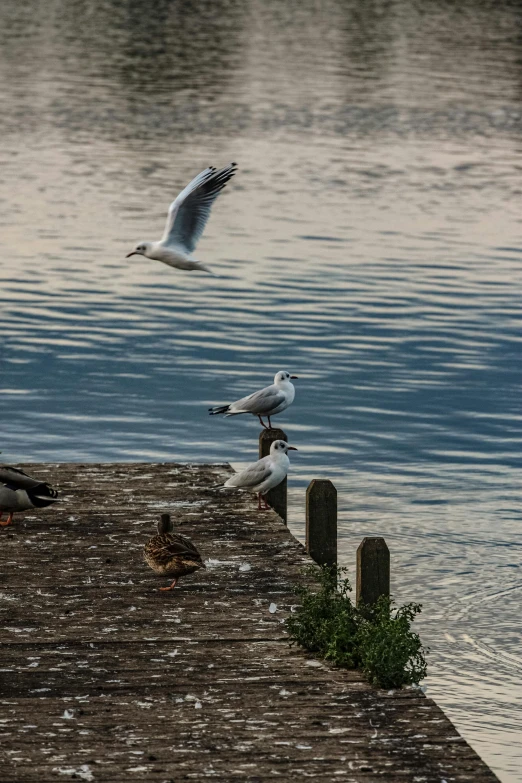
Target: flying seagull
{"x": 265, "y": 402}
{"x": 186, "y": 221}
{"x": 20, "y": 492}
{"x": 265, "y": 474}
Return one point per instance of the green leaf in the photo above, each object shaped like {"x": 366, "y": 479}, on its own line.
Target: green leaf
{"x": 377, "y": 639}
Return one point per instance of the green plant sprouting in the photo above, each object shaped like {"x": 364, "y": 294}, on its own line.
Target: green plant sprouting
{"x": 376, "y": 639}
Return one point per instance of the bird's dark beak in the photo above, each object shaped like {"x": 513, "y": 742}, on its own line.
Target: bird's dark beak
{"x": 294, "y": 377}
{"x": 134, "y": 253}
{"x": 291, "y": 448}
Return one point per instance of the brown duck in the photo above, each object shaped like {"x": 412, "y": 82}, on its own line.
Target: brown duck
{"x": 170, "y": 554}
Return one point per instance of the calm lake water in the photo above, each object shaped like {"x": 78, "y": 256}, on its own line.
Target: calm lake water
{"x": 371, "y": 243}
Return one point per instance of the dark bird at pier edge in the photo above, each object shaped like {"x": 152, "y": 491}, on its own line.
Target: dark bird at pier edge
{"x": 21, "y": 492}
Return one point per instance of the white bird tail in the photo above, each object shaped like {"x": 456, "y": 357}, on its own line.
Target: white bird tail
{"x": 205, "y": 268}
{"x": 218, "y": 409}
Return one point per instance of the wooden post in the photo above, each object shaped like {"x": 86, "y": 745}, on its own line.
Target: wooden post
{"x": 321, "y": 521}
{"x": 373, "y": 570}
{"x": 276, "y": 497}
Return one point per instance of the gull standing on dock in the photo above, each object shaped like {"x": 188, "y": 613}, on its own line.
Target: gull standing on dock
{"x": 265, "y": 402}
{"x": 20, "y": 492}
{"x": 265, "y": 474}
{"x": 186, "y": 220}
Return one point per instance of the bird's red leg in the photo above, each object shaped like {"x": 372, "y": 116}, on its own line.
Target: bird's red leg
{"x": 172, "y": 586}
{"x": 269, "y": 422}
{"x": 267, "y": 507}
{"x": 8, "y": 521}
{"x": 262, "y": 422}
{"x": 259, "y": 501}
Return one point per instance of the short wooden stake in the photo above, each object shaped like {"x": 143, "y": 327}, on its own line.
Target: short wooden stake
{"x": 373, "y": 570}
{"x": 321, "y": 521}
{"x": 277, "y": 497}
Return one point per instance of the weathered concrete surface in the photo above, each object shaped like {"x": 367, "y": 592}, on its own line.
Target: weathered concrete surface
{"x": 104, "y": 678}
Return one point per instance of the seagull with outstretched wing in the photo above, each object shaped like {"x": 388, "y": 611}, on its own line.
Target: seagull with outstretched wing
{"x": 186, "y": 220}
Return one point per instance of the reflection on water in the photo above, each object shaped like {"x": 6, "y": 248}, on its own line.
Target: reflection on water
{"x": 370, "y": 243}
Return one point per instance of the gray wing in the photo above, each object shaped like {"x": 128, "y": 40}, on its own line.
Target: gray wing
{"x": 259, "y": 402}
{"x": 183, "y": 542}
{"x": 252, "y": 475}
{"x": 189, "y": 212}
{"x": 16, "y": 478}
